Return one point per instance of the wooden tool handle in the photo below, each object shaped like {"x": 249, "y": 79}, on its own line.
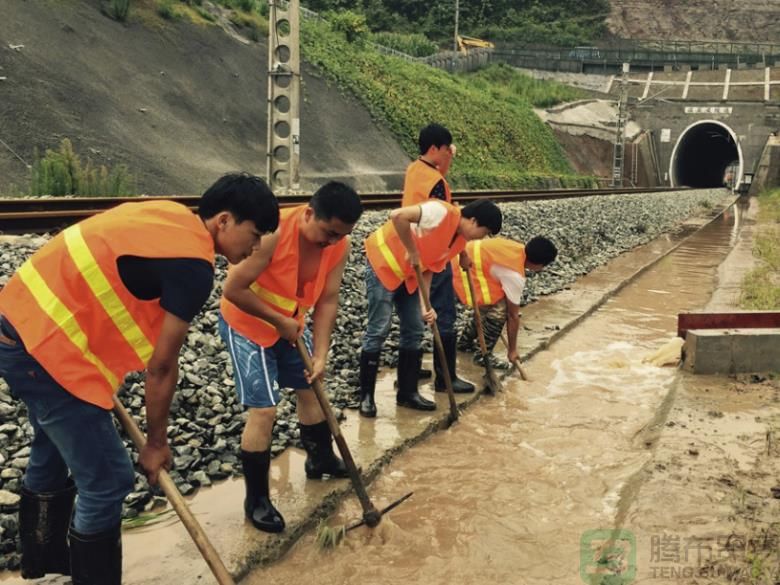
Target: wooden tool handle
{"x": 439, "y": 347}
{"x": 177, "y": 501}
{"x": 335, "y": 429}
{"x": 477, "y": 316}
{"x": 520, "y": 369}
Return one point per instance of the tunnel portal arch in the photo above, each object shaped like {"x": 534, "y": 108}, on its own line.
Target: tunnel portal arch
{"x": 703, "y": 152}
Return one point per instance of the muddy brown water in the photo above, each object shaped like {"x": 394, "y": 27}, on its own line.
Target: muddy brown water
{"x": 505, "y": 495}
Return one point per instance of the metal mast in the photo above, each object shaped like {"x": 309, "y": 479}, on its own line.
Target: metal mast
{"x": 619, "y": 152}
{"x": 284, "y": 90}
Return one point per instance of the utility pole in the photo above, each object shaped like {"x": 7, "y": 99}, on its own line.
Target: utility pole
{"x": 620, "y": 132}
{"x": 284, "y": 96}
{"x": 457, "y": 17}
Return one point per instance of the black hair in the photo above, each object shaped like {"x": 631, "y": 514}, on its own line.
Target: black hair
{"x": 335, "y": 199}
{"x": 486, "y": 213}
{"x": 434, "y": 135}
{"x": 246, "y": 197}
{"x": 540, "y": 250}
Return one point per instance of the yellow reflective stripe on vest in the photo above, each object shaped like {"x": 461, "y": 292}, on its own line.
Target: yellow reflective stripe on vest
{"x": 483, "y": 284}
{"x": 62, "y": 317}
{"x": 284, "y": 303}
{"x": 387, "y": 254}
{"x": 466, "y": 289}
{"x": 106, "y": 295}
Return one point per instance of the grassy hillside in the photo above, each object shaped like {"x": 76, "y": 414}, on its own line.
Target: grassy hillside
{"x": 501, "y": 142}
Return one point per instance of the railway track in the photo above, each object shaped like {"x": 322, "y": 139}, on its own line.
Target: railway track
{"x": 47, "y": 214}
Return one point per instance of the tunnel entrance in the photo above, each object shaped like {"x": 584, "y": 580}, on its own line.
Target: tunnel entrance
{"x": 703, "y": 155}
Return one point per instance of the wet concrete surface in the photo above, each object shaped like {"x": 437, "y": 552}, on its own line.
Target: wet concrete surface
{"x": 504, "y": 495}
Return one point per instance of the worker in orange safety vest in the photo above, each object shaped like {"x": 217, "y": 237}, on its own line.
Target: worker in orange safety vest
{"x": 111, "y": 294}
{"x": 265, "y": 300}
{"x": 428, "y": 234}
{"x": 499, "y": 268}
{"x": 425, "y": 179}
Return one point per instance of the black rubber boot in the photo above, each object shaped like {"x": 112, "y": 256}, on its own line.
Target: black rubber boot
{"x": 458, "y": 386}
{"x": 320, "y": 458}
{"x": 369, "y": 365}
{"x": 257, "y": 504}
{"x": 44, "y": 519}
{"x": 96, "y": 559}
{"x": 408, "y": 368}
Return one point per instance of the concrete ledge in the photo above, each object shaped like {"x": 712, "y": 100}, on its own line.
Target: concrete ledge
{"x": 732, "y": 351}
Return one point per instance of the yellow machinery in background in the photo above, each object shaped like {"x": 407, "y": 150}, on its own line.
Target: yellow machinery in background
{"x": 466, "y": 43}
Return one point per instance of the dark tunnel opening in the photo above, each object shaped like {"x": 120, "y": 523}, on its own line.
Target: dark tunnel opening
{"x": 703, "y": 155}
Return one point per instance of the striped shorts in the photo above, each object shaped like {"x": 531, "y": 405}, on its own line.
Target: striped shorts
{"x": 260, "y": 372}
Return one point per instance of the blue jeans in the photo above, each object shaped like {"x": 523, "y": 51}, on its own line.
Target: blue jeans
{"x": 443, "y": 301}
{"x": 70, "y": 434}
{"x": 380, "y": 314}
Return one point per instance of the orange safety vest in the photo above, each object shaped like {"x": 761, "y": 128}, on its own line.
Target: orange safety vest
{"x": 484, "y": 255}
{"x": 277, "y": 285}
{"x": 74, "y": 313}
{"x": 419, "y": 180}
{"x": 387, "y": 255}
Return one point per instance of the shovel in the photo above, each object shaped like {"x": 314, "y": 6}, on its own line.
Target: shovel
{"x": 516, "y": 362}
{"x": 493, "y": 384}
{"x": 177, "y": 501}
{"x": 371, "y": 516}
{"x": 439, "y": 348}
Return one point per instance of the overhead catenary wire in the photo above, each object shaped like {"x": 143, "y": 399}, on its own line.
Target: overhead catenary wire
{"x": 16, "y": 154}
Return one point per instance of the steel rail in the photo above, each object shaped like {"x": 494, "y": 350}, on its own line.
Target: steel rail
{"x": 44, "y": 214}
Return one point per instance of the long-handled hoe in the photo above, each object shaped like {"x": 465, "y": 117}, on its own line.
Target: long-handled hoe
{"x": 327, "y": 536}
{"x": 491, "y": 380}
{"x": 177, "y": 501}
{"x": 439, "y": 348}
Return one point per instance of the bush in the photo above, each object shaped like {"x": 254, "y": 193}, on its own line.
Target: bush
{"x": 60, "y": 172}
{"x": 168, "y": 10}
{"x": 351, "y": 24}
{"x": 416, "y": 45}
{"x": 119, "y": 9}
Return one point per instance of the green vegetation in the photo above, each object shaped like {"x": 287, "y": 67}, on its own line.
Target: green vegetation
{"x": 505, "y": 83}
{"x": 60, "y": 172}
{"x": 761, "y": 286}
{"x": 501, "y": 142}
{"x": 250, "y": 15}
{"x": 118, "y": 9}
{"x": 556, "y": 22}
{"x": 350, "y": 24}
{"x": 414, "y": 44}
{"x": 168, "y": 10}
{"x": 147, "y": 519}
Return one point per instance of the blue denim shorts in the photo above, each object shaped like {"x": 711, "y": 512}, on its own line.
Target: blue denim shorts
{"x": 260, "y": 372}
